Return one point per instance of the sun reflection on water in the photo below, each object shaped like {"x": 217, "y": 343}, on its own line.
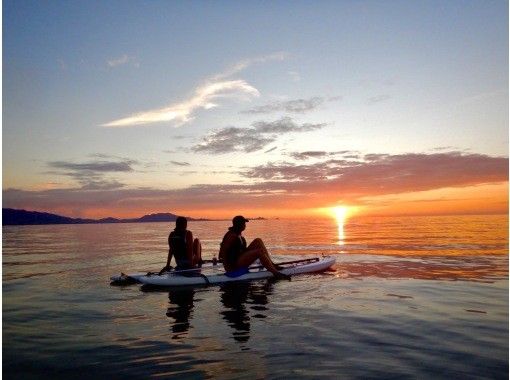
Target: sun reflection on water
{"x": 340, "y": 214}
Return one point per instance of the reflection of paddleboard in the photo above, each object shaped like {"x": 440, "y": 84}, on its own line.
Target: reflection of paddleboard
{"x": 255, "y": 273}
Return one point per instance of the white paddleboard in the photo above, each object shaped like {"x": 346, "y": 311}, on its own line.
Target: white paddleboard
{"x": 132, "y": 278}
{"x": 201, "y": 278}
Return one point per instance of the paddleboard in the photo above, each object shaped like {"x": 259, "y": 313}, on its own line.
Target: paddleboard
{"x": 133, "y": 278}
{"x": 195, "y": 278}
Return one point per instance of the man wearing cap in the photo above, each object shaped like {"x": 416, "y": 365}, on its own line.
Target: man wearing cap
{"x": 237, "y": 256}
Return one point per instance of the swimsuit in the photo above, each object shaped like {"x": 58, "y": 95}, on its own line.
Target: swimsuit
{"x": 177, "y": 243}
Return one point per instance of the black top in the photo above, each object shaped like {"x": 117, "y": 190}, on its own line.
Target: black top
{"x": 235, "y": 249}
{"x": 177, "y": 243}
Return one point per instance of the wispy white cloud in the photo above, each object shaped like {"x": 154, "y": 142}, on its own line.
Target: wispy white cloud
{"x": 294, "y": 75}
{"x": 245, "y": 63}
{"x": 123, "y": 60}
{"x": 204, "y": 97}
{"x": 62, "y": 64}
{"x": 378, "y": 99}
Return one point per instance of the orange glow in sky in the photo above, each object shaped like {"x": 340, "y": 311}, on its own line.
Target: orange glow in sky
{"x": 239, "y": 123}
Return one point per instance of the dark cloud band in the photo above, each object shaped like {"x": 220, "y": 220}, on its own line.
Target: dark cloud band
{"x": 313, "y": 184}
{"x": 92, "y": 175}
{"x": 291, "y": 106}
{"x": 97, "y": 166}
{"x": 257, "y": 137}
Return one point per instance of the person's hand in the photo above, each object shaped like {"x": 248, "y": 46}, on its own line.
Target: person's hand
{"x": 165, "y": 269}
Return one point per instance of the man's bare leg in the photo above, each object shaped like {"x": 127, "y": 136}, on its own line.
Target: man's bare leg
{"x": 258, "y": 244}
{"x": 257, "y": 250}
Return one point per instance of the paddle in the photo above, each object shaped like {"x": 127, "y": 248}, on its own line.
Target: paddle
{"x": 311, "y": 260}
{"x": 213, "y": 261}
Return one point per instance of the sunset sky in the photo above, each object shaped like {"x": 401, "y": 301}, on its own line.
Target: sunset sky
{"x": 281, "y": 108}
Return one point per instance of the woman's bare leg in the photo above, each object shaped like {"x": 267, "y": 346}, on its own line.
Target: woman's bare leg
{"x": 197, "y": 252}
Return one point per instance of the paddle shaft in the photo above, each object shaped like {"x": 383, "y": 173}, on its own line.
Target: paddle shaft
{"x": 312, "y": 260}
{"x": 188, "y": 270}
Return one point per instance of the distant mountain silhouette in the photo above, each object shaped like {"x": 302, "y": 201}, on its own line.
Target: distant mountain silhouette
{"x": 161, "y": 217}
{"x": 22, "y": 217}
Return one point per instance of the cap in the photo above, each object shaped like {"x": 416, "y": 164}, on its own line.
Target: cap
{"x": 239, "y": 219}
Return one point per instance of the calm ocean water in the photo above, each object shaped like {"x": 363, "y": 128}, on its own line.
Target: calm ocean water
{"x": 408, "y": 298}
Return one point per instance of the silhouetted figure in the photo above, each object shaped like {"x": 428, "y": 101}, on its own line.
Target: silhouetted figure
{"x": 186, "y": 251}
{"x": 237, "y": 256}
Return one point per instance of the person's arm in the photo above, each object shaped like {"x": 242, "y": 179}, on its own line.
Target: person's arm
{"x": 189, "y": 248}
{"x": 169, "y": 258}
{"x": 225, "y": 246}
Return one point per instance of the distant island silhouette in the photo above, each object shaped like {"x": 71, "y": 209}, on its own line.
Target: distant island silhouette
{"x": 13, "y": 217}
{"x": 22, "y": 217}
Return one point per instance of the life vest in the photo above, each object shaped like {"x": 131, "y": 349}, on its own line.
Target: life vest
{"x": 177, "y": 243}
{"x": 235, "y": 250}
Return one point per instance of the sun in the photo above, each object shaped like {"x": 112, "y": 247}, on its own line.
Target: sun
{"x": 340, "y": 213}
